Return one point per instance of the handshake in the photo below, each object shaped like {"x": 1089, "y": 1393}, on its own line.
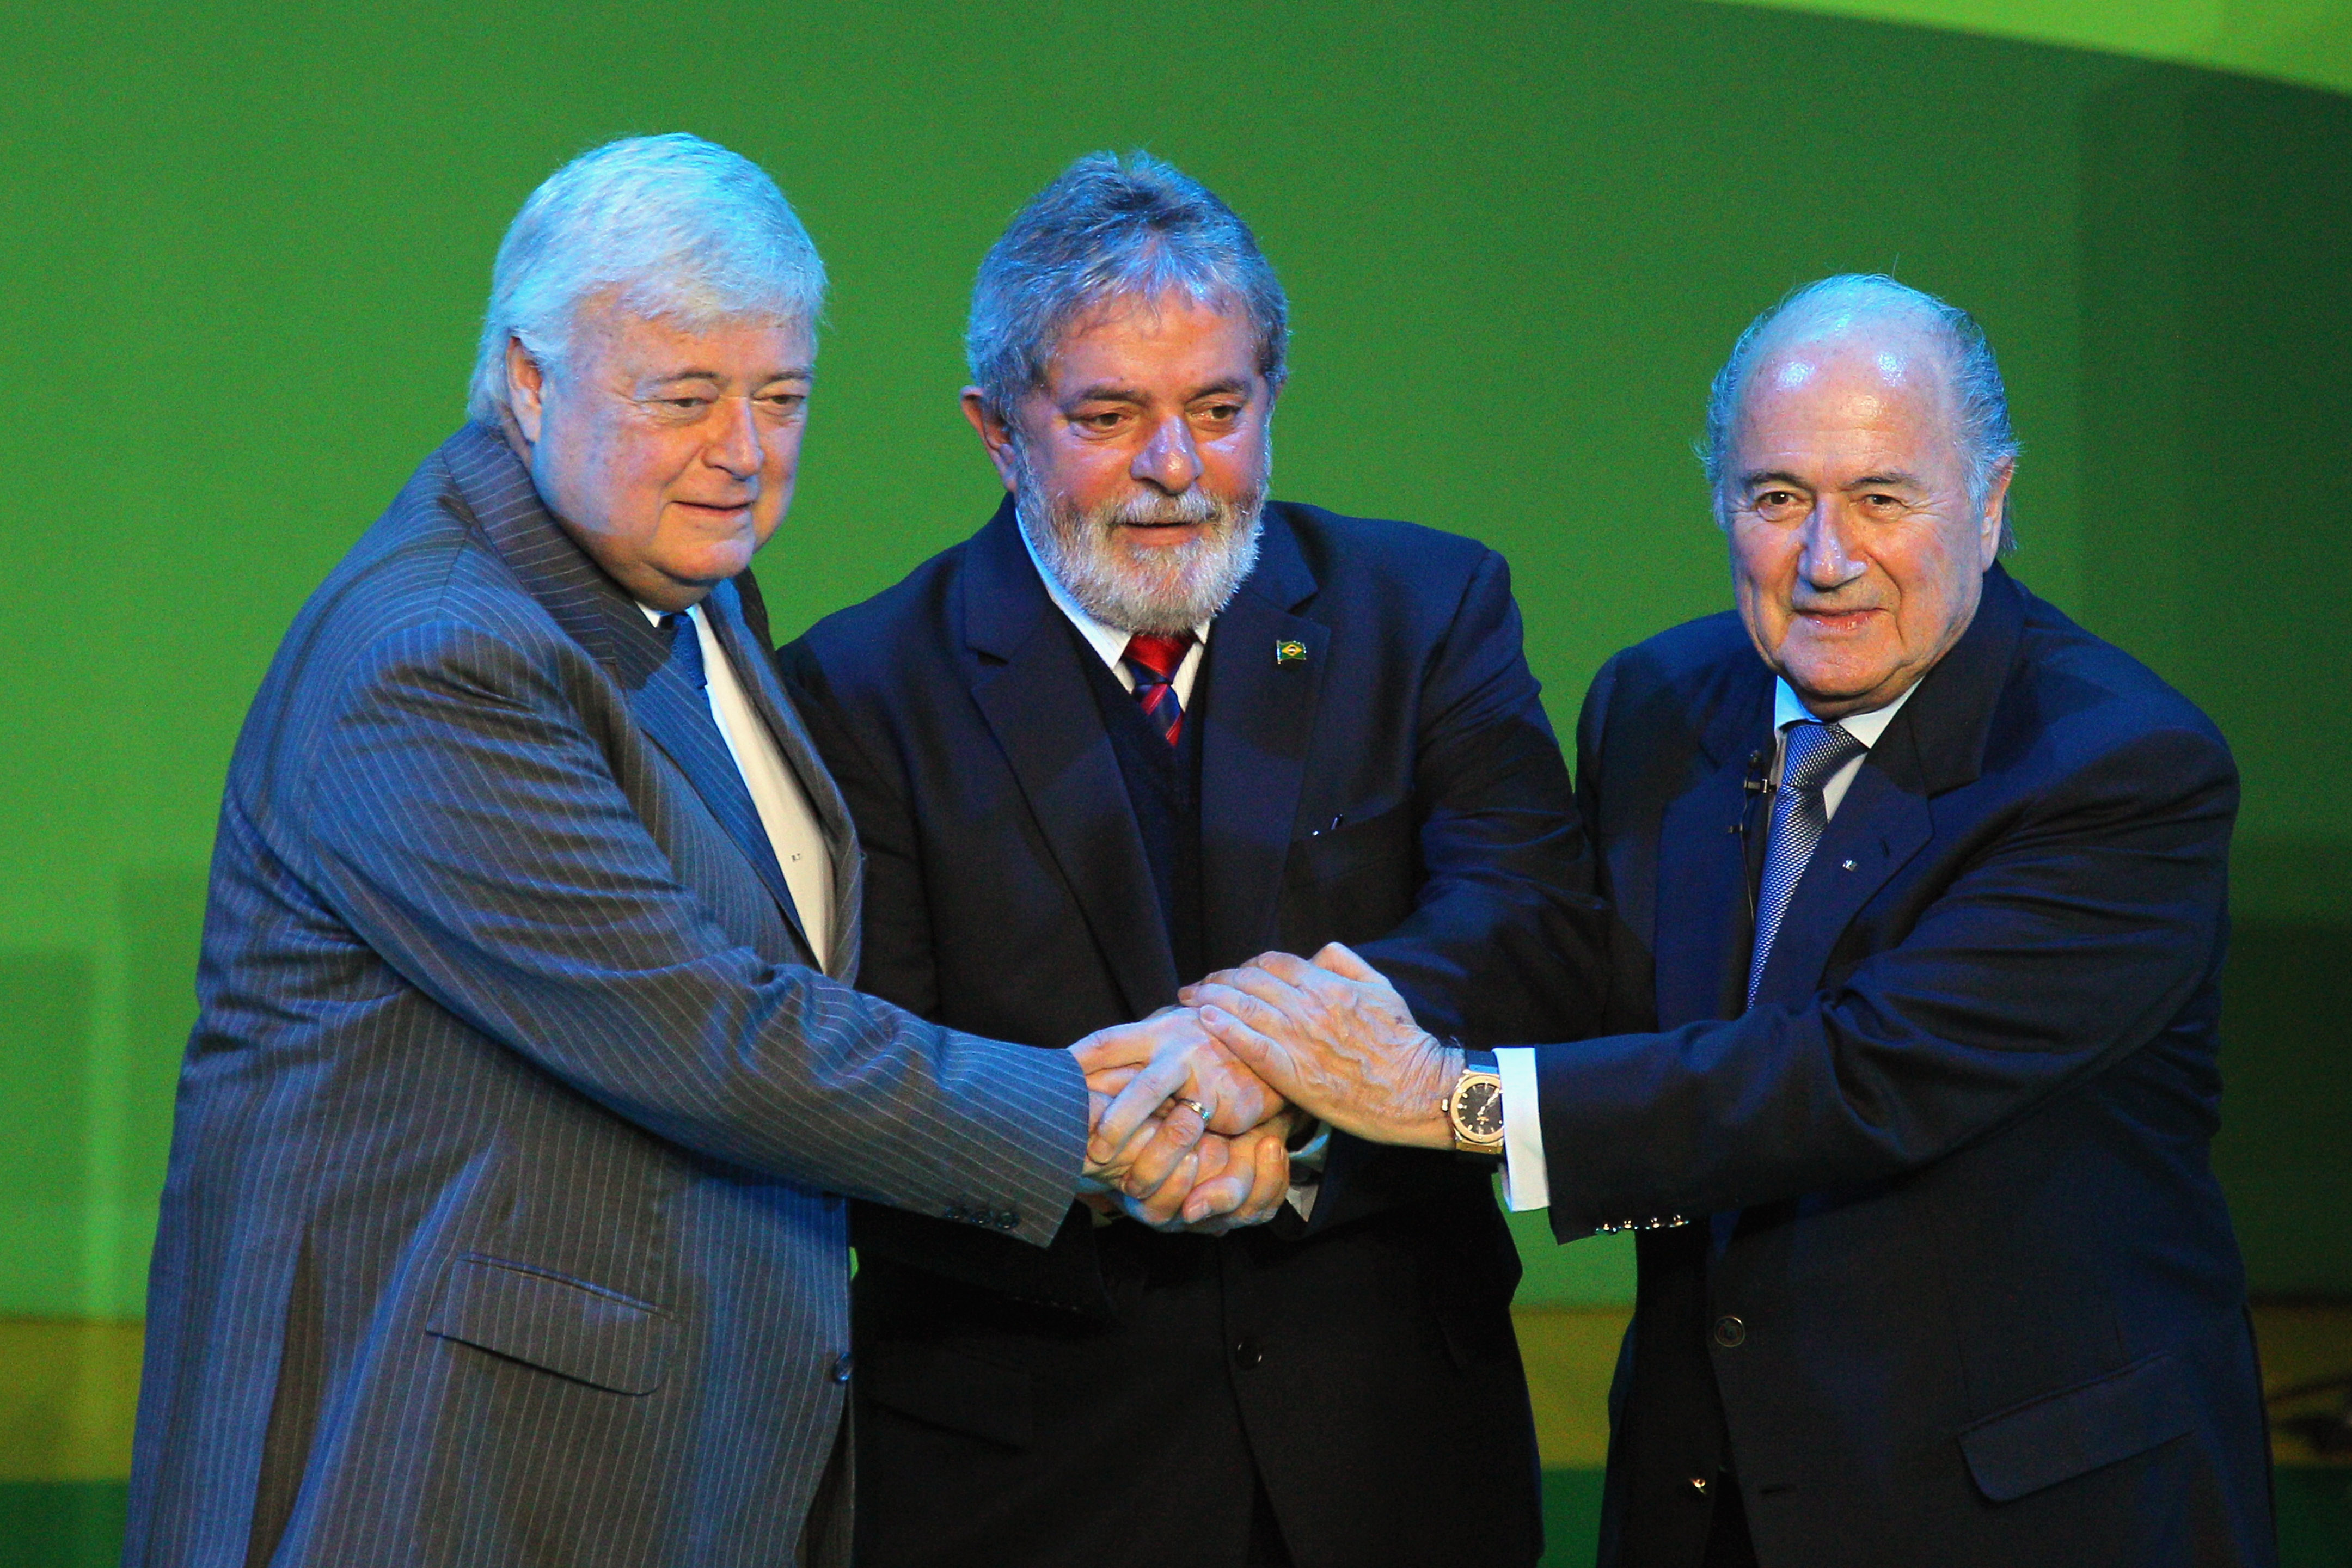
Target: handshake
{"x": 1195, "y": 1110}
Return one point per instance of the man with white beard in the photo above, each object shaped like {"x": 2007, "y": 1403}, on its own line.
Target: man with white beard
{"x": 1146, "y": 723}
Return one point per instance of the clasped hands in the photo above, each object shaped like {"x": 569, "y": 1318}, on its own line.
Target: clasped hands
{"x": 1195, "y": 1107}
{"x": 1182, "y": 1135}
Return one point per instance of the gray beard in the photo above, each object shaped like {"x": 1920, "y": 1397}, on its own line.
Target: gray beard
{"x": 1165, "y": 590}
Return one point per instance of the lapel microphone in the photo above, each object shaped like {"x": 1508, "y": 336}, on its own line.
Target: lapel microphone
{"x": 1756, "y": 787}
{"x": 1758, "y": 781}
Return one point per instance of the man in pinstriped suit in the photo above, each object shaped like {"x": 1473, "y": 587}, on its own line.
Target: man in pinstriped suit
{"x": 505, "y": 1221}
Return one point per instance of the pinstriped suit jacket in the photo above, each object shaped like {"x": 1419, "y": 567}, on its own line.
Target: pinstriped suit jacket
{"x": 502, "y": 1223}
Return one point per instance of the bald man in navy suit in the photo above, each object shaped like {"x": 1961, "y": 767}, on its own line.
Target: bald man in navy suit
{"x": 1909, "y": 1082}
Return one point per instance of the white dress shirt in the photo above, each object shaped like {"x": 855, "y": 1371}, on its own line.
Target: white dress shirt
{"x": 1111, "y": 643}
{"x": 1527, "y": 1179}
{"x": 784, "y": 806}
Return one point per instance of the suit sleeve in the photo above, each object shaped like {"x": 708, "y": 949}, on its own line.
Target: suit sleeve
{"x": 2070, "y": 942}
{"x": 1501, "y": 945}
{"x": 456, "y": 812}
{"x": 1504, "y": 943}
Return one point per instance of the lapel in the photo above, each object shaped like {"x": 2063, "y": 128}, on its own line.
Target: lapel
{"x": 1029, "y": 686}
{"x": 1934, "y": 743}
{"x": 1257, "y": 722}
{"x": 569, "y": 587}
{"x": 1879, "y": 826}
{"x": 1705, "y": 919}
{"x": 755, "y": 669}
{"x": 594, "y": 612}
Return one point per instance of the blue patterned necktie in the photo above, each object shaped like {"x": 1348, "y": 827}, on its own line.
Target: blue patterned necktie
{"x": 1811, "y": 757}
{"x": 1153, "y": 661}
{"x": 686, "y": 649}
{"x": 727, "y": 797}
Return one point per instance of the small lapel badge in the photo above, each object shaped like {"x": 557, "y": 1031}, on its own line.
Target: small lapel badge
{"x": 1290, "y": 653}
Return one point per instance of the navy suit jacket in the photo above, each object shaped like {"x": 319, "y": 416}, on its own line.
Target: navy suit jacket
{"x": 1960, "y": 1284}
{"x": 1395, "y": 786}
{"x": 501, "y": 1223}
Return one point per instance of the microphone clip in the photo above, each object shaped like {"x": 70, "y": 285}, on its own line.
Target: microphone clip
{"x": 1756, "y": 784}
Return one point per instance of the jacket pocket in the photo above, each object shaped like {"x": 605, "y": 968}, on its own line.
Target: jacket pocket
{"x": 554, "y": 1322}
{"x": 2077, "y": 1430}
{"x": 1389, "y": 835}
{"x": 978, "y": 1398}
{"x": 1351, "y": 884}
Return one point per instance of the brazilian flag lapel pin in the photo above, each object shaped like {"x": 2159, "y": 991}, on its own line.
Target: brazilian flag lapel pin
{"x": 1288, "y": 652}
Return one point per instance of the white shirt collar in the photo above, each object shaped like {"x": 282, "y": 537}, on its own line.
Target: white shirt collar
{"x": 1788, "y": 709}
{"x": 1108, "y": 641}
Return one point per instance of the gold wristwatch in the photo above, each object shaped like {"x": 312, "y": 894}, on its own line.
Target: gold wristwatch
{"x": 1476, "y": 1106}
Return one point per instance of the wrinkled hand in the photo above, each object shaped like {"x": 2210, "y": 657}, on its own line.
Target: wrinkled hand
{"x": 1335, "y": 1039}
{"x": 1184, "y": 1136}
{"x": 1132, "y": 1062}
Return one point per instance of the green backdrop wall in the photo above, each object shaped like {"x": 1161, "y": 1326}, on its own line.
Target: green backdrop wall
{"x": 242, "y": 247}
{"x": 2306, "y": 41}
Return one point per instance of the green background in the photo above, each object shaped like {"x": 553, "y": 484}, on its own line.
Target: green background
{"x": 246, "y": 248}
{"x": 243, "y": 248}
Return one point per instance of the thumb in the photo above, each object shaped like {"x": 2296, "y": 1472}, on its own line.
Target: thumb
{"x": 1129, "y": 1044}
{"x": 1341, "y": 959}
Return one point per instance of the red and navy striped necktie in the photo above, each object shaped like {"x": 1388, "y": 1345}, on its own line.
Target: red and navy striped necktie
{"x": 1153, "y": 661}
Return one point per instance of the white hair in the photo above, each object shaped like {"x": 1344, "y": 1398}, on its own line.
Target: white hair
{"x": 1979, "y": 402}
{"x": 672, "y": 227}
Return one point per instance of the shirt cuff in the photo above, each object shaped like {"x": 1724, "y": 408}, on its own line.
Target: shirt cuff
{"x": 1526, "y": 1179}
{"x": 1306, "y": 1161}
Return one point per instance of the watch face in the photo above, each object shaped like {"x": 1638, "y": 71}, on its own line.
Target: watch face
{"x": 1479, "y": 1110}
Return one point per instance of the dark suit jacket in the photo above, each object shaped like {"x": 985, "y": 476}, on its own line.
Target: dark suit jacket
{"x": 499, "y": 1225}
{"x": 1105, "y": 1403}
{"x": 1968, "y": 1293}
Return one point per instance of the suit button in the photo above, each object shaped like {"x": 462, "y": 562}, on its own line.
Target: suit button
{"x": 1730, "y": 1333}
{"x": 1248, "y": 1353}
{"x": 957, "y": 1213}
{"x": 841, "y": 1367}
{"x": 1008, "y": 1220}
